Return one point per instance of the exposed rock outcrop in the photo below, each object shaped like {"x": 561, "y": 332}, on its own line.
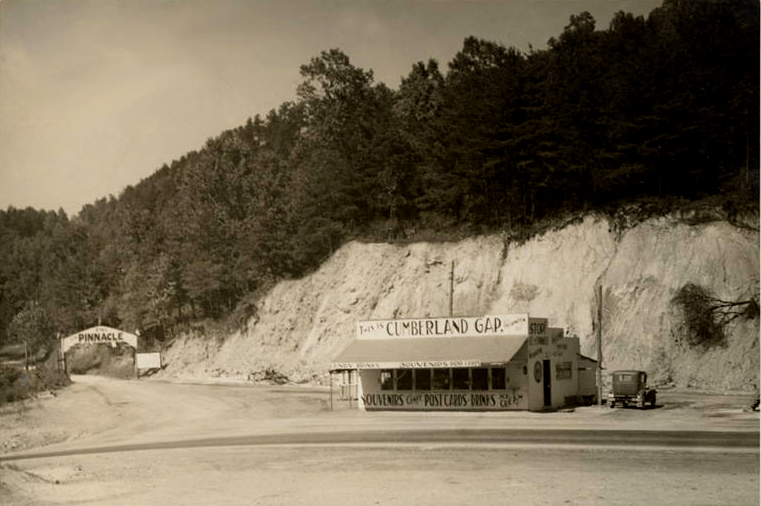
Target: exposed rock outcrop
{"x": 301, "y": 324}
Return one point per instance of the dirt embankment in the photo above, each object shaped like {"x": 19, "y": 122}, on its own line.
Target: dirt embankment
{"x": 301, "y": 324}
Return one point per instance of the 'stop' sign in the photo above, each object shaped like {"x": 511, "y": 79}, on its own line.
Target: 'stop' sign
{"x": 489, "y": 325}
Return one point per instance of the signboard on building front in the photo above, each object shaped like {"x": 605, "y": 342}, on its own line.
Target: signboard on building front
{"x": 417, "y": 364}
{"x": 443, "y": 327}
{"x": 513, "y": 398}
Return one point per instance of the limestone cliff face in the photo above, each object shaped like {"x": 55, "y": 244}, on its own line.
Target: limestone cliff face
{"x": 301, "y": 324}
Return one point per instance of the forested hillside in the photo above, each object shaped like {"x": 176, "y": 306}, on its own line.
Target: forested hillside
{"x": 661, "y": 111}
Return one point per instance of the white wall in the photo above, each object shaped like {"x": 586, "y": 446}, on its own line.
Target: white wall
{"x": 562, "y": 354}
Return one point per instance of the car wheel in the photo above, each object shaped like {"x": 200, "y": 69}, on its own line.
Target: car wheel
{"x": 612, "y": 404}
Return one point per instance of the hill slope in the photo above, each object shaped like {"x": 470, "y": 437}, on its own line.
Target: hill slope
{"x": 301, "y": 324}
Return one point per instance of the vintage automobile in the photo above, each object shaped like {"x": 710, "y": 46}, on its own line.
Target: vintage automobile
{"x": 631, "y": 386}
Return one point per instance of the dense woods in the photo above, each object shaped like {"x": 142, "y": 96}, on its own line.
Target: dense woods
{"x": 663, "y": 109}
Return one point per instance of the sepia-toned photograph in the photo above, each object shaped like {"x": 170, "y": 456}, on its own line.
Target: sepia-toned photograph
{"x": 379, "y": 252}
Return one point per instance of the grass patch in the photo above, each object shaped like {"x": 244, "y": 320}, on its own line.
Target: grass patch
{"x": 17, "y": 384}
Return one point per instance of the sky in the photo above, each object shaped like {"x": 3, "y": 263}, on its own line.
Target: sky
{"x": 96, "y": 95}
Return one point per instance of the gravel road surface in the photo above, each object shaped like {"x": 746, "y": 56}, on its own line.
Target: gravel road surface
{"x": 115, "y": 442}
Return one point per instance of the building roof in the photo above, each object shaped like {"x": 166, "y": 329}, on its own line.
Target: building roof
{"x": 416, "y": 353}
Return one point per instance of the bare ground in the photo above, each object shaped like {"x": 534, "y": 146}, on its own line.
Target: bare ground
{"x": 410, "y": 475}
{"x": 97, "y": 411}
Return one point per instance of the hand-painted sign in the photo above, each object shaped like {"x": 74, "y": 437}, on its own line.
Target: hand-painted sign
{"x": 490, "y": 325}
{"x": 148, "y": 360}
{"x": 538, "y": 371}
{"x": 418, "y": 364}
{"x": 537, "y": 326}
{"x": 512, "y": 399}
{"x": 537, "y": 332}
{"x": 97, "y": 335}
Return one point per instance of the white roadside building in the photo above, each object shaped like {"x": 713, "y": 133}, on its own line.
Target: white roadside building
{"x": 479, "y": 363}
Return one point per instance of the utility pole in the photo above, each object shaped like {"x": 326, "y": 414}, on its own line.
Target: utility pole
{"x": 599, "y": 345}
{"x": 451, "y": 290}
{"x": 61, "y": 354}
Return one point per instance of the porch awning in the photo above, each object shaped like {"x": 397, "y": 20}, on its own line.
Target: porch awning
{"x": 422, "y": 353}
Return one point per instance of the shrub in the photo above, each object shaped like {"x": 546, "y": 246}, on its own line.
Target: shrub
{"x": 705, "y": 316}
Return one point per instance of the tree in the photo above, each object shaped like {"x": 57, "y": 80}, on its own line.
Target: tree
{"x": 345, "y": 155}
{"x": 32, "y": 326}
{"x": 417, "y": 110}
{"x": 701, "y": 52}
{"x": 705, "y": 316}
{"x": 660, "y": 107}
{"x": 339, "y": 106}
{"x": 482, "y": 103}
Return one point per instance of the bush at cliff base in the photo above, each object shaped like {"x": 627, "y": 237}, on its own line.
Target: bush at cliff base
{"x": 16, "y": 383}
{"x": 102, "y": 359}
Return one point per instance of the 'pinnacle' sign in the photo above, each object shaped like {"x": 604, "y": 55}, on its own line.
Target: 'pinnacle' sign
{"x": 99, "y": 335}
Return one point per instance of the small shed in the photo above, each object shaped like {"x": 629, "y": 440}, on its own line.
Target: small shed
{"x": 587, "y": 380}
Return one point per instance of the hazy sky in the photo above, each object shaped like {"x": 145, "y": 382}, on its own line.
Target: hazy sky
{"x": 97, "y": 95}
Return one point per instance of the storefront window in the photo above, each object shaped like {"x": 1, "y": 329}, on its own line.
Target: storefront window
{"x": 480, "y": 378}
{"x": 564, "y": 370}
{"x": 461, "y": 379}
{"x": 498, "y": 379}
{"x": 441, "y": 379}
{"x": 422, "y": 379}
{"x": 387, "y": 379}
{"x": 404, "y": 379}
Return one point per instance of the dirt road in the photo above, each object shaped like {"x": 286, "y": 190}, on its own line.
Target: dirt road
{"x": 326, "y": 469}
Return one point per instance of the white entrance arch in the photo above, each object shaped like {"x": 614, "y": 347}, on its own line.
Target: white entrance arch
{"x": 98, "y": 334}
